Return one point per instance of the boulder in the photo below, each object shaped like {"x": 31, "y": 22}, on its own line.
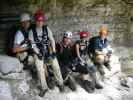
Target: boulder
{"x": 23, "y": 87}
{"x": 17, "y": 76}
{"x": 9, "y": 65}
{"x": 5, "y": 91}
{"x": 127, "y": 67}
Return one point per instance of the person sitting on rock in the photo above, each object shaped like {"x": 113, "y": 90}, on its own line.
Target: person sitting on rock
{"x": 83, "y": 64}
{"x": 43, "y": 45}
{"x": 65, "y": 58}
{"x": 100, "y": 51}
{"x": 22, "y": 46}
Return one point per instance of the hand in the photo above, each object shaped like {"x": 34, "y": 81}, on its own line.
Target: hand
{"x": 110, "y": 52}
{"x": 92, "y": 68}
{"x": 105, "y": 50}
{"x": 39, "y": 56}
{"x": 53, "y": 55}
{"x": 82, "y": 62}
{"x": 27, "y": 40}
{"x": 30, "y": 51}
{"x": 99, "y": 52}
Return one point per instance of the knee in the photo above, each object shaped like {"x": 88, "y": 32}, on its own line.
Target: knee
{"x": 99, "y": 59}
{"x": 30, "y": 60}
{"x": 93, "y": 69}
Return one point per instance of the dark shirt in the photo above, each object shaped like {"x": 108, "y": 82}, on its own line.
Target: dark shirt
{"x": 82, "y": 48}
{"x": 64, "y": 54}
{"x": 100, "y": 44}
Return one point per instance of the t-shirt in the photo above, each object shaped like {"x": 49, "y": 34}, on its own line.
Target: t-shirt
{"x": 64, "y": 54}
{"x": 96, "y": 43}
{"x": 100, "y": 44}
{"x": 39, "y": 34}
{"x": 19, "y": 37}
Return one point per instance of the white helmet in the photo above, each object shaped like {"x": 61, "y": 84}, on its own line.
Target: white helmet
{"x": 68, "y": 34}
{"x": 25, "y": 17}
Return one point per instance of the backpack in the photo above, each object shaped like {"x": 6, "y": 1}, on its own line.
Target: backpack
{"x": 10, "y": 40}
{"x": 91, "y": 45}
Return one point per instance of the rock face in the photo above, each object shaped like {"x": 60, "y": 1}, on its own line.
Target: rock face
{"x": 20, "y": 86}
{"x": 75, "y": 16}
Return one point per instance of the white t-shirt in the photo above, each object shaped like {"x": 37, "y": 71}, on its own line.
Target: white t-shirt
{"x": 39, "y": 33}
{"x": 19, "y": 37}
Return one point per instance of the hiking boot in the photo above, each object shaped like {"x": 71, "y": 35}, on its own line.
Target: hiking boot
{"x": 42, "y": 92}
{"x": 98, "y": 86}
{"x": 51, "y": 83}
{"x": 101, "y": 70}
{"x": 61, "y": 88}
{"x": 107, "y": 65}
{"x": 71, "y": 83}
{"x": 88, "y": 86}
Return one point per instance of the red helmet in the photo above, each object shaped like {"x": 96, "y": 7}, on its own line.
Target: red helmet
{"x": 84, "y": 34}
{"x": 39, "y": 15}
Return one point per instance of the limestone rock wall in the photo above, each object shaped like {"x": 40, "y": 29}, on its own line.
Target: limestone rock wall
{"x": 78, "y": 15}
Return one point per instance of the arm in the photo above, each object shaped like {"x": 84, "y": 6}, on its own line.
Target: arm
{"x": 98, "y": 48}
{"x": 52, "y": 41}
{"x": 17, "y": 43}
{"x": 18, "y": 49}
{"x": 78, "y": 53}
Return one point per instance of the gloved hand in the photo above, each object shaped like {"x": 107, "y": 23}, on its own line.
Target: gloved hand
{"x": 92, "y": 68}
{"x": 39, "y": 56}
{"x": 30, "y": 51}
{"x": 28, "y": 43}
{"x": 27, "y": 40}
{"x": 109, "y": 53}
{"x": 82, "y": 62}
{"x": 52, "y": 56}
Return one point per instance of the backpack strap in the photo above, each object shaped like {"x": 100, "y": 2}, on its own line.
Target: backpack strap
{"x": 25, "y": 34}
{"x": 36, "y": 39}
{"x": 35, "y": 34}
{"x": 45, "y": 29}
